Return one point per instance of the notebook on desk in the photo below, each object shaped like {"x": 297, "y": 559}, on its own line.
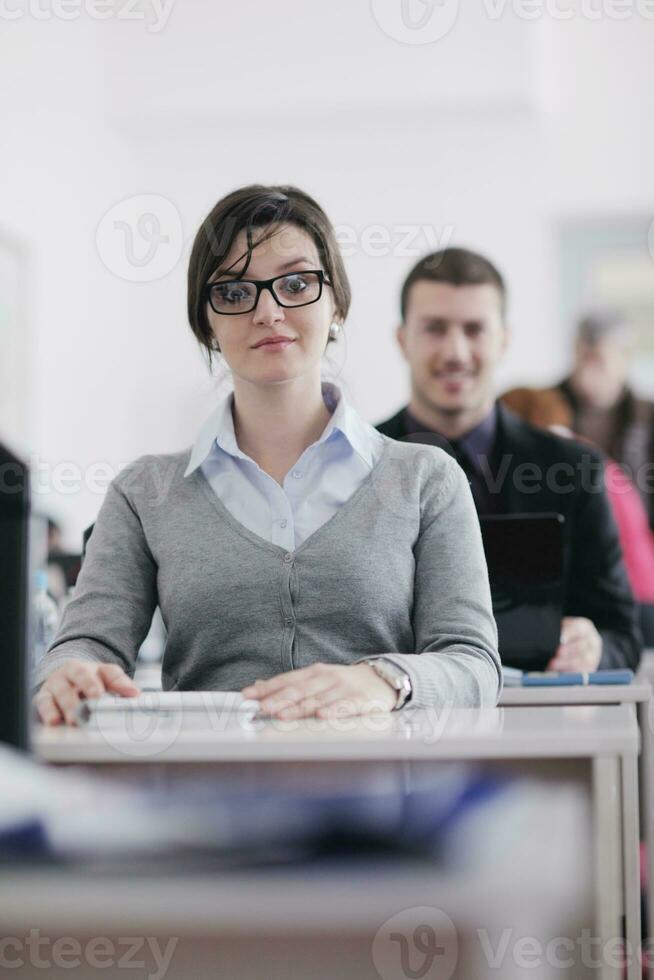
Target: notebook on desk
{"x": 526, "y": 567}
{"x": 198, "y": 704}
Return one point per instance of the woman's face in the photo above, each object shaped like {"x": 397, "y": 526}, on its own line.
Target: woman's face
{"x": 273, "y": 344}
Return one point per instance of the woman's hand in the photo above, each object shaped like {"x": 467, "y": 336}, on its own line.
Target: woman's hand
{"x": 581, "y": 646}
{"x": 62, "y": 692}
{"x": 320, "y": 689}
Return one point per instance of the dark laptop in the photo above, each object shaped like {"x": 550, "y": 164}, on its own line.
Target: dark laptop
{"x": 14, "y": 563}
{"x": 526, "y": 566}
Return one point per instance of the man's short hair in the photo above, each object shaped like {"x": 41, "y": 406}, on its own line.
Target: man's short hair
{"x": 456, "y": 266}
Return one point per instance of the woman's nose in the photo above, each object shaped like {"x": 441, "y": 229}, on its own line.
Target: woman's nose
{"x": 267, "y": 309}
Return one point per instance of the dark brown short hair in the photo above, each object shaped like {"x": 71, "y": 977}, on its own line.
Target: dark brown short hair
{"x": 255, "y": 207}
{"x": 458, "y": 267}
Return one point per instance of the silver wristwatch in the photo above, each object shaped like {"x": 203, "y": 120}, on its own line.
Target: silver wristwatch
{"x": 396, "y": 677}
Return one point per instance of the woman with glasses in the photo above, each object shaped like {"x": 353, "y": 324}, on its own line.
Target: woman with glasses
{"x": 295, "y": 553}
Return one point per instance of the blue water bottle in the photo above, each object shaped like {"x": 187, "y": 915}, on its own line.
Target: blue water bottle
{"x": 45, "y": 617}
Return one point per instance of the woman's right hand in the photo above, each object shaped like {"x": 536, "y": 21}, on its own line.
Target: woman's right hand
{"x": 76, "y": 680}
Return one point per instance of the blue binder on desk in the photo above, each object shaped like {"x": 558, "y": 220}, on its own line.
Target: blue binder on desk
{"x": 525, "y": 555}
{"x": 597, "y": 678}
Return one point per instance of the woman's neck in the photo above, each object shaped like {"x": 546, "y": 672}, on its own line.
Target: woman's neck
{"x": 274, "y": 424}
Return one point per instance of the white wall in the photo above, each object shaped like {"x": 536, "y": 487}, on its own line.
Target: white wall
{"x": 487, "y": 137}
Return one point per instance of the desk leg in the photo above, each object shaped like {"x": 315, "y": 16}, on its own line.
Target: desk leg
{"x": 607, "y": 852}
{"x": 631, "y": 859}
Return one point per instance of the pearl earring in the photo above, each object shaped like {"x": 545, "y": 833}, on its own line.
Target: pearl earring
{"x": 334, "y": 331}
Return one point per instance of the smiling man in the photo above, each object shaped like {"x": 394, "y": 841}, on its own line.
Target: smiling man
{"x": 453, "y": 334}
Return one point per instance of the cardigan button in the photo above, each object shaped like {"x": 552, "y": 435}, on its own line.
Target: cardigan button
{"x": 288, "y": 557}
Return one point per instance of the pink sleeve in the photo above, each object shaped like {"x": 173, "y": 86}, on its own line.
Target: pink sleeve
{"x": 635, "y": 535}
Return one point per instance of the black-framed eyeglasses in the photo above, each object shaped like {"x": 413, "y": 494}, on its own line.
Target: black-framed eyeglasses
{"x": 234, "y": 296}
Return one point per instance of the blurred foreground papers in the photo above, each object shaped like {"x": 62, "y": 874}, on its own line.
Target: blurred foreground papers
{"x": 453, "y": 814}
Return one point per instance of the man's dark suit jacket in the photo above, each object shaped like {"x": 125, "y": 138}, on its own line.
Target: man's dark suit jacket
{"x": 533, "y": 471}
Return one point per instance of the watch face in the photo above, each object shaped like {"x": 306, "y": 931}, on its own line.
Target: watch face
{"x": 391, "y": 675}
{"x": 403, "y": 693}
{"x": 399, "y": 679}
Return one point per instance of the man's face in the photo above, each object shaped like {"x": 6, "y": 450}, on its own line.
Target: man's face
{"x": 453, "y": 338}
{"x": 600, "y": 371}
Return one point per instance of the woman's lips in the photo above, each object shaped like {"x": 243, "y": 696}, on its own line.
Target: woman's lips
{"x": 274, "y": 345}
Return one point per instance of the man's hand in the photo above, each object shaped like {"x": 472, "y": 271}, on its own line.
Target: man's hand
{"x": 580, "y": 648}
{"x": 61, "y": 693}
{"x": 321, "y": 689}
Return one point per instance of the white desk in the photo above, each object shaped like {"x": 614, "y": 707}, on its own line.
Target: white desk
{"x": 557, "y": 733}
{"x": 317, "y": 923}
{"x": 646, "y": 717}
{"x": 600, "y": 742}
{"x": 635, "y": 693}
{"x": 636, "y": 698}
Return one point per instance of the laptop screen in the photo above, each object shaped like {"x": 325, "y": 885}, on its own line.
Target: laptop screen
{"x": 14, "y": 535}
{"x": 525, "y": 555}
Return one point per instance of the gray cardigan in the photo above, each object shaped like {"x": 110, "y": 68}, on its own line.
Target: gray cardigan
{"x": 399, "y": 570}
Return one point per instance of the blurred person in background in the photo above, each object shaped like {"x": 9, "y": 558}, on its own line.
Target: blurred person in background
{"x": 57, "y": 586}
{"x": 55, "y": 541}
{"x": 63, "y": 566}
{"x": 286, "y": 557}
{"x": 600, "y": 404}
{"x": 452, "y": 334}
{"x": 548, "y": 408}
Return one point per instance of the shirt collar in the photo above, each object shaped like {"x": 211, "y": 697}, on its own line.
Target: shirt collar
{"x": 220, "y": 418}
{"x": 219, "y": 429}
{"x": 480, "y": 440}
{"x": 360, "y": 435}
{"x": 475, "y": 443}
